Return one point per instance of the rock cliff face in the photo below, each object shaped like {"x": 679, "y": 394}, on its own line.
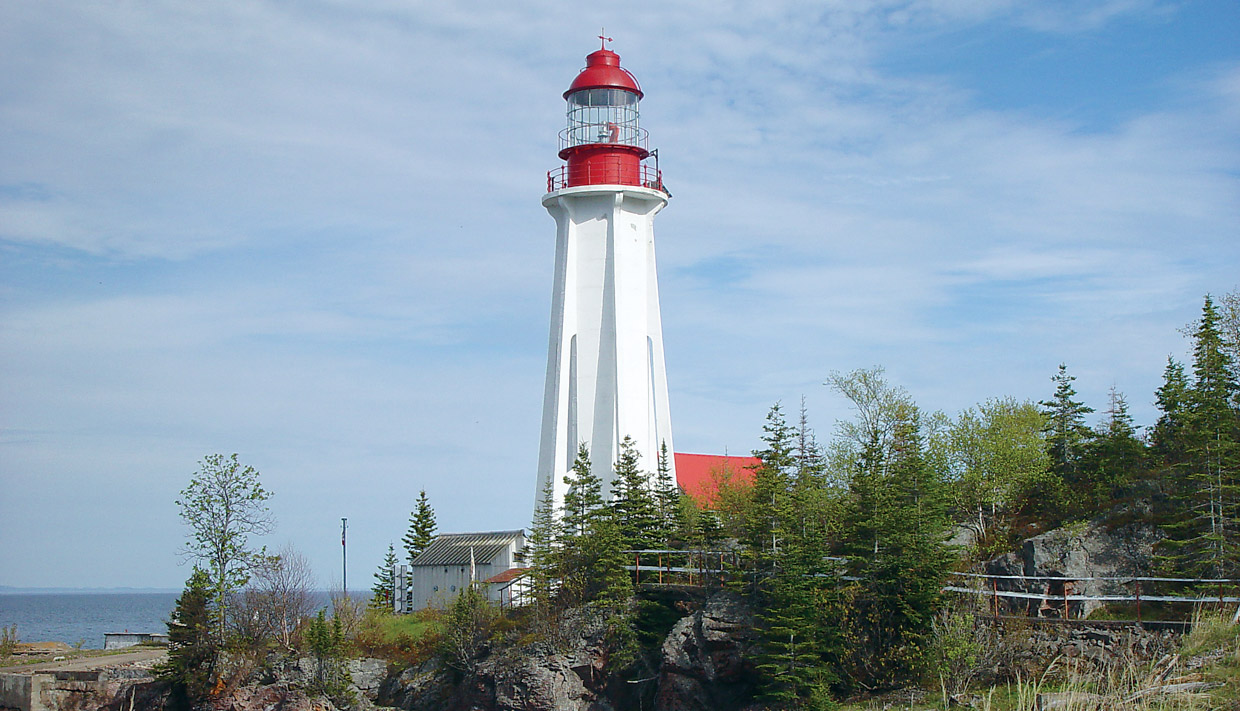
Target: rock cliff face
{"x": 1081, "y": 551}
{"x": 702, "y": 666}
{"x": 705, "y": 659}
{"x": 568, "y": 676}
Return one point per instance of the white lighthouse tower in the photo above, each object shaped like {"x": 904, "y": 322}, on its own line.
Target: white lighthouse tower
{"x": 605, "y": 374}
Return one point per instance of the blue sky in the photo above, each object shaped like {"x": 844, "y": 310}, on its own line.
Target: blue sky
{"x": 310, "y": 233}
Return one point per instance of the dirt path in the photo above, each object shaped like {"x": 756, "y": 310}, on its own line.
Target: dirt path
{"x": 89, "y": 663}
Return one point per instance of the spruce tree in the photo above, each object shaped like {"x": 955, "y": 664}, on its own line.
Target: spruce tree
{"x": 632, "y": 501}
{"x": 1167, "y": 436}
{"x": 769, "y": 514}
{"x": 385, "y": 581}
{"x": 192, "y": 651}
{"x": 540, "y": 550}
{"x": 1066, "y": 432}
{"x": 421, "y": 531}
{"x": 1204, "y": 539}
{"x": 1116, "y": 455}
{"x": 895, "y": 528}
{"x": 591, "y": 557}
{"x": 666, "y": 495}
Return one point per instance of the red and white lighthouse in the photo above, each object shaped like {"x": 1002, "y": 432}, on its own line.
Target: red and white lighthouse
{"x": 605, "y": 370}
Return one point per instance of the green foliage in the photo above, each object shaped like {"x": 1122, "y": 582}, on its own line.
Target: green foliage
{"x": 385, "y": 581}
{"x": 1066, "y": 434}
{"x": 467, "y": 627}
{"x": 193, "y": 651}
{"x": 1167, "y": 436}
{"x": 540, "y": 554}
{"x": 404, "y": 639}
{"x": 633, "y": 504}
{"x": 1204, "y": 535}
{"x": 999, "y": 464}
{"x": 894, "y": 530}
{"x": 590, "y": 556}
{"x": 223, "y": 505}
{"x": 1113, "y": 459}
{"x": 325, "y": 641}
{"x": 666, "y": 494}
{"x": 8, "y": 639}
{"x": 421, "y": 531}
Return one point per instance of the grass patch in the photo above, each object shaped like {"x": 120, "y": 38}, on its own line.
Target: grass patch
{"x": 407, "y": 639}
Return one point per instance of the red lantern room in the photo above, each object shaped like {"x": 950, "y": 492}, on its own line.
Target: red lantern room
{"x": 603, "y": 143}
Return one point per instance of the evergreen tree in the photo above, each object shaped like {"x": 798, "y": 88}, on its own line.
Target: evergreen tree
{"x": 632, "y": 502}
{"x": 666, "y": 495}
{"x": 1065, "y": 431}
{"x": 591, "y": 556}
{"x": 801, "y": 644}
{"x": 540, "y": 549}
{"x": 421, "y": 531}
{"x": 1204, "y": 539}
{"x": 769, "y": 513}
{"x": 1167, "y": 436}
{"x": 385, "y": 581}
{"x": 1116, "y": 454}
{"x": 895, "y": 528}
{"x": 192, "y": 652}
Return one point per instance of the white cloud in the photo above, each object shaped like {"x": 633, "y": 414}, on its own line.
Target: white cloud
{"x": 311, "y": 234}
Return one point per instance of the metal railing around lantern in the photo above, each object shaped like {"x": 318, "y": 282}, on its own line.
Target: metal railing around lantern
{"x": 610, "y": 172}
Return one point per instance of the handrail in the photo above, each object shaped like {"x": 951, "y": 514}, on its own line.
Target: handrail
{"x": 647, "y": 177}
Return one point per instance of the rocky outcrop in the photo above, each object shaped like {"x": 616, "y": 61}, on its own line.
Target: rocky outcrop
{"x": 1078, "y": 552}
{"x": 704, "y": 664}
{"x": 568, "y": 674}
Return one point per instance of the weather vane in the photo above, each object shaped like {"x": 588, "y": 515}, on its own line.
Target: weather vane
{"x": 603, "y": 36}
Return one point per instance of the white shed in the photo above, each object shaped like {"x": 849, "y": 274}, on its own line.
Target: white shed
{"x": 452, "y": 560}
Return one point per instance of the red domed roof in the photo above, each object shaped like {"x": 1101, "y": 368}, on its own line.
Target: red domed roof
{"x": 603, "y": 71}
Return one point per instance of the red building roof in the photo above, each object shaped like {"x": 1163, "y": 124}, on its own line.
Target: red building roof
{"x": 700, "y": 474}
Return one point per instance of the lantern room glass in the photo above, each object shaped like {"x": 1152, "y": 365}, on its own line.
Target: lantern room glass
{"x": 603, "y": 116}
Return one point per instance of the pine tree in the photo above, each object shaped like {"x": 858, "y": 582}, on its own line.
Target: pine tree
{"x": 1066, "y": 432}
{"x": 385, "y": 581}
{"x": 421, "y": 528}
{"x": 192, "y": 651}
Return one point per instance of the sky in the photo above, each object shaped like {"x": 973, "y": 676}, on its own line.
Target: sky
{"x": 310, "y": 233}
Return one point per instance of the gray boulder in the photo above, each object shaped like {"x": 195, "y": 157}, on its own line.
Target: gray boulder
{"x": 704, "y": 665}
{"x": 1078, "y": 551}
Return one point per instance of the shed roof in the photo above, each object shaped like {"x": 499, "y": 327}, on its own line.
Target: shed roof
{"x": 453, "y": 548}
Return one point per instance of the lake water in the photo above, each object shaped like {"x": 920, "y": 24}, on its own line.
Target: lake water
{"x": 85, "y": 617}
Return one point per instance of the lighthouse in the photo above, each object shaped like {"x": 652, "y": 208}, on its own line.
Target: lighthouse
{"x": 606, "y": 378}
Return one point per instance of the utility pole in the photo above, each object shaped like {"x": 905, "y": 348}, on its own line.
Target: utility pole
{"x": 344, "y": 556}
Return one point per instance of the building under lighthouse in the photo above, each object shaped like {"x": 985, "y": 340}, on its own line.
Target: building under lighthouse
{"x": 605, "y": 370}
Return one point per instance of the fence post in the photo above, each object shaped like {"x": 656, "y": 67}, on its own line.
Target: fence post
{"x": 994, "y": 604}
{"x": 1138, "y": 603}
{"x": 1067, "y": 584}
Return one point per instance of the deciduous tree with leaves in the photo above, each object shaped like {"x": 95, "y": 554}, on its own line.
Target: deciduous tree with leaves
{"x": 223, "y": 505}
